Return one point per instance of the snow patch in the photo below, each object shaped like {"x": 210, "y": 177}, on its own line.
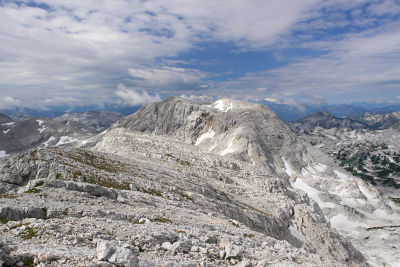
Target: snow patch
{"x": 65, "y": 140}
{"x": 288, "y": 170}
{"x": 208, "y": 135}
{"x": 229, "y": 149}
{"x": 6, "y": 131}
{"x": 367, "y": 191}
{"x": 341, "y": 175}
{"x": 340, "y": 221}
{"x": 46, "y": 144}
{"x": 84, "y": 142}
{"x": 320, "y": 167}
{"x": 212, "y": 148}
{"x": 9, "y": 123}
{"x": 223, "y": 105}
{"x": 299, "y": 236}
{"x": 312, "y": 193}
{"x": 40, "y": 122}
{"x": 3, "y": 154}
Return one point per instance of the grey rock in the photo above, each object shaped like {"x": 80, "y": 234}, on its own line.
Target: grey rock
{"x": 117, "y": 255}
{"x": 105, "y": 249}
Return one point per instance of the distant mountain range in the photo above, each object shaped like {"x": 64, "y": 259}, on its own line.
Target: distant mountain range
{"x": 368, "y": 145}
{"x": 72, "y": 128}
{"x": 23, "y": 113}
{"x": 285, "y": 112}
{"x": 289, "y": 113}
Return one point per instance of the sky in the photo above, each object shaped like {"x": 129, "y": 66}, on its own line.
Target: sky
{"x": 132, "y": 52}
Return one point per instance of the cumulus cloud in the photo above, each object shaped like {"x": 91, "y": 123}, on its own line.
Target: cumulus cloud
{"x": 135, "y": 98}
{"x": 71, "y": 44}
{"x": 86, "y": 48}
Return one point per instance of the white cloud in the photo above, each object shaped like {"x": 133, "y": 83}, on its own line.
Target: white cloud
{"x": 87, "y": 47}
{"x": 9, "y": 102}
{"x": 166, "y": 76}
{"x": 135, "y": 98}
{"x": 359, "y": 67}
{"x": 385, "y": 7}
{"x": 273, "y": 100}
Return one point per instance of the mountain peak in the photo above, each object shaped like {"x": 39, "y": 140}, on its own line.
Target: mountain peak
{"x": 325, "y": 120}
{"x": 321, "y": 114}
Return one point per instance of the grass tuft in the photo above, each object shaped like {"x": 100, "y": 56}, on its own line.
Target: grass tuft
{"x": 29, "y": 233}
{"x": 162, "y": 220}
{"x": 32, "y": 191}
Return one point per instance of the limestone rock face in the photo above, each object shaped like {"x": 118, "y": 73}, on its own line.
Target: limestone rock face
{"x": 252, "y": 133}
{"x": 246, "y": 131}
{"x": 181, "y": 184}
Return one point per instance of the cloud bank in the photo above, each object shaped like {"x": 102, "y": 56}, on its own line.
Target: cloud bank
{"x": 134, "y": 98}
{"x": 321, "y": 49}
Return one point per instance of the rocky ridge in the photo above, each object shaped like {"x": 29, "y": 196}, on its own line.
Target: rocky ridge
{"x": 182, "y": 184}
{"x": 165, "y": 204}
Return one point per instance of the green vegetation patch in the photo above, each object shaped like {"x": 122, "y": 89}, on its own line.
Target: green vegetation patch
{"x": 150, "y": 191}
{"x": 161, "y": 220}
{"x": 96, "y": 161}
{"x": 184, "y": 162}
{"x": 28, "y": 261}
{"x": 109, "y": 183}
{"x": 234, "y": 223}
{"x": 32, "y": 191}
{"x": 11, "y": 196}
{"x": 29, "y": 233}
{"x": 187, "y": 197}
{"x": 137, "y": 222}
{"x": 382, "y": 227}
{"x": 40, "y": 183}
{"x": 395, "y": 200}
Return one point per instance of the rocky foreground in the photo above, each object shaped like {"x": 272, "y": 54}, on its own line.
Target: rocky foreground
{"x": 177, "y": 184}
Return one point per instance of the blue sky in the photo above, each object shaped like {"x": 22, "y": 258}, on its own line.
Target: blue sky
{"x": 132, "y": 52}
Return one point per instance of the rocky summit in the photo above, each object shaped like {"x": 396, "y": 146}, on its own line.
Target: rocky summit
{"x": 185, "y": 184}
